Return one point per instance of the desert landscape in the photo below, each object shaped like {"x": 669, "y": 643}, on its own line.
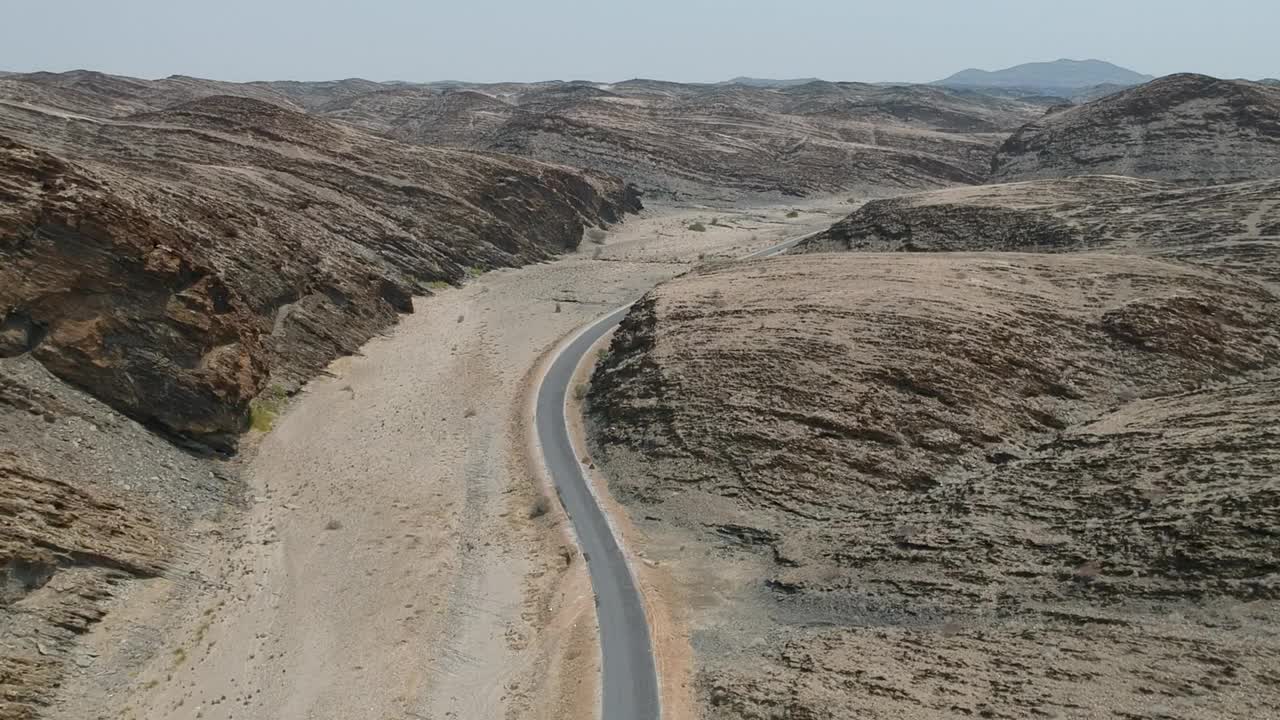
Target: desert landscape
{"x": 932, "y": 399}
{"x": 996, "y": 451}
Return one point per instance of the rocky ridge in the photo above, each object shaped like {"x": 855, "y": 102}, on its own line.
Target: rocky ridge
{"x": 705, "y": 142}
{"x": 1235, "y": 227}
{"x": 266, "y": 244}
{"x": 717, "y": 141}
{"x": 1185, "y": 129}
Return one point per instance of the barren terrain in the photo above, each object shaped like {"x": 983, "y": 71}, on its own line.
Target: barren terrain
{"x": 715, "y": 141}
{"x": 1234, "y": 227}
{"x": 1186, "y": 129}
{"x": 188, "y": 269}
{"x": 386, "y": 554}
{"x": 932, "y": 485}
{"x": 685, "y": 142}
{"x": 1000, "y": 450}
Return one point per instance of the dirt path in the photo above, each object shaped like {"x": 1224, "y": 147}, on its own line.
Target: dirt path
{"x": 391, "y": 562}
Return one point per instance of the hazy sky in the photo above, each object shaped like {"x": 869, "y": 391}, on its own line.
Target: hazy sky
{"x": 689, "y": 40}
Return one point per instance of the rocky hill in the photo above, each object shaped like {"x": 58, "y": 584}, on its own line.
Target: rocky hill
{"x": 312, "y": 95}
{"x": 768, "y": 82}
{"x": 1185, "y": 129}
{"x": 944, "y": 485}
{"x": 1051, "y": 78}
{"x": 1235, "y": 227}
{"x": 168, "y": 275}
{"x": 717, "y": 141}
{"x": 103, "y": 95}
{"x": 693, "y": 141}
{"x": 285, "y": 239}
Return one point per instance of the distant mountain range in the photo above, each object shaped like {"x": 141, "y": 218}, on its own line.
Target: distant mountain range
{"x": 1049, "y": 77}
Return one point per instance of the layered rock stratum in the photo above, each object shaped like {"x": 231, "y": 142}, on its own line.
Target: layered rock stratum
{"x": 262, "y": 243}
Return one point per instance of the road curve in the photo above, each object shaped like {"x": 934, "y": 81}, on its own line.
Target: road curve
{"x": 630, "y": 676}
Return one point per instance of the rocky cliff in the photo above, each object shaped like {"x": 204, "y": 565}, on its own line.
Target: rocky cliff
{"x": 172, "y": 262}
{"x": 1186, "y": 129}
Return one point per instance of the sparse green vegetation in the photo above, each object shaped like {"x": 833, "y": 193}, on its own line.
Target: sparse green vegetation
{"x": 264, "y": 409}
{"x": 579, "y": 391}
{"x": 438, "y": 285}
{"x": 793, "y": 214}
{"x": 602, "y": 354}
{"x": 475, "y": 271}
{"x": 698, "y": 227}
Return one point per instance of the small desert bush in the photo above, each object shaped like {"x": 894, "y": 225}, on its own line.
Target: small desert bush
{"x": 793, "y": 214}
{"x": 557, "y": 307}
{"x": 579, "y": 391}
{"x": 474, "y": 271}
{"x": 333, "y": 524}
{"x": 541, "y": 506}
{"x": 438, "y": 285}
{"x": 698, "y": 227}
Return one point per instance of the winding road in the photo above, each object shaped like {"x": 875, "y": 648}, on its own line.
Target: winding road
{"x": 630, "y": 675}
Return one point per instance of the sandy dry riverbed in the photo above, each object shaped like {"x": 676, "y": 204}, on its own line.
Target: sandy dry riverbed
{"x": 393, "y": 560}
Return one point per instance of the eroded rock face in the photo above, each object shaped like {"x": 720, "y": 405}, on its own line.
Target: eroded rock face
{"x": 91, "y": 500}
{"x": 933, "y": 484}
{"x": 1186, "y": 129}
{"x": 1234, "y": 227}
{"x": 263, "y": 245}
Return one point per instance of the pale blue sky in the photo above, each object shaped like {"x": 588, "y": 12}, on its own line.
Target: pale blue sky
{"x": 688, "y": 40}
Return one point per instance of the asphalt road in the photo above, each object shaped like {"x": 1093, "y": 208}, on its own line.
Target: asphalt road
{"x": 630, "y": 677}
